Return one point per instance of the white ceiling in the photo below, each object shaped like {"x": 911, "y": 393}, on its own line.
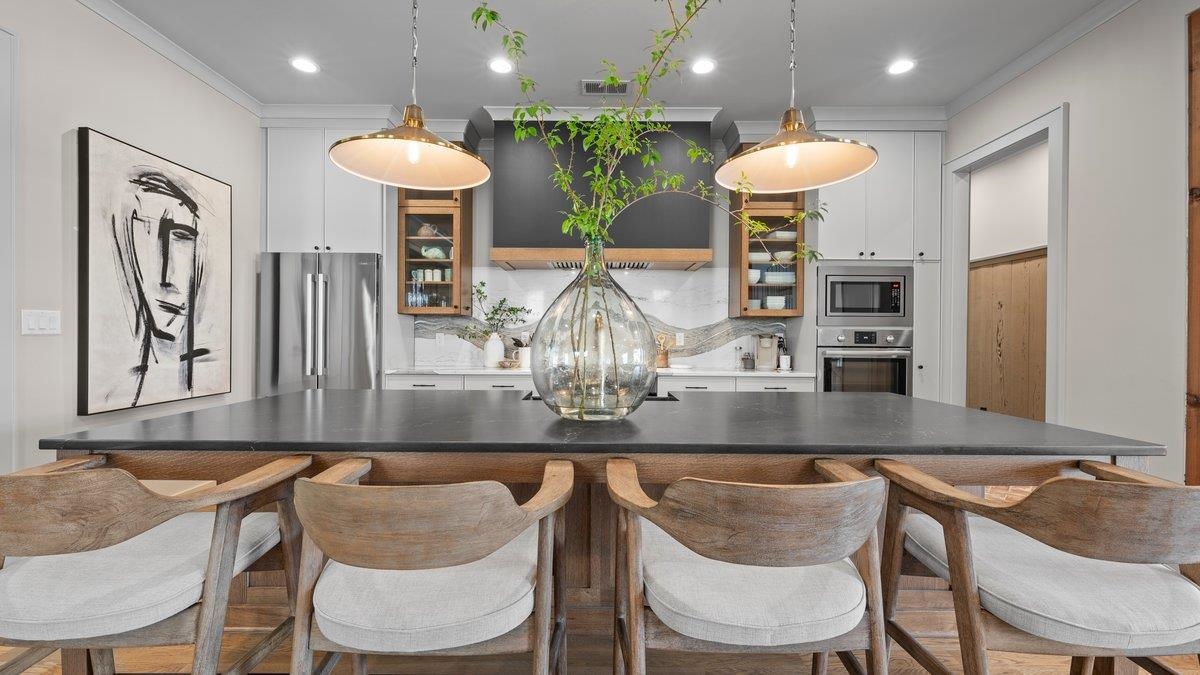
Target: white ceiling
{"x": 843, "y": 48}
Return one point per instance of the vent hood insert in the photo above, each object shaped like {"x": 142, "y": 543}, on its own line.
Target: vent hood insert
{"x": 666, "y": 231}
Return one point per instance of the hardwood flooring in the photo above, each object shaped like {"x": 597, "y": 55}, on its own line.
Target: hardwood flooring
{"x": 589, "y": 655}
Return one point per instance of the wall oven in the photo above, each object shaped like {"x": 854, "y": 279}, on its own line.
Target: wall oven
{"x": 865, "y": 360}
{"x": 864, "y": 295}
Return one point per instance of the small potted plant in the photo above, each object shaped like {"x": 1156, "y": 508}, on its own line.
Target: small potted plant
{"x": 495, "y": 317}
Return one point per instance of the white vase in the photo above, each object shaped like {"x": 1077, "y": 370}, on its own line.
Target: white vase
{"x": 523, "y": 356}
{"x": 493, "y": 351}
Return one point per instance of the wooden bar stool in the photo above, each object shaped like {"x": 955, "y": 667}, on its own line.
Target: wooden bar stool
{"x": 95, "y": 560}
{"x": 736, "y": 568}
{"x": 1079, "y": 567}
{"x": 429, "y": 569}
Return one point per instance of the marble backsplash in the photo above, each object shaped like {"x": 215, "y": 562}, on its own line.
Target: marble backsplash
{"x": 692, "y": 303}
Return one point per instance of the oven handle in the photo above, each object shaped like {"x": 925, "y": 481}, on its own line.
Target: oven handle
{"x": 866, "y": 353}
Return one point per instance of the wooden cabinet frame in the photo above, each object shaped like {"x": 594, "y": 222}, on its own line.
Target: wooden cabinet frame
{"x": 459, "y": 263}
{"x": 740, "y": 243}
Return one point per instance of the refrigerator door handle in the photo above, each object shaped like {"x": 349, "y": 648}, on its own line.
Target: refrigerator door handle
{"x": 309, "y": 320}
{"x": 322, "y": 321}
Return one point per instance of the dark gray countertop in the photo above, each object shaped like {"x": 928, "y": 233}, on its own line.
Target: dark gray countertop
{"x": 485, "y": 421}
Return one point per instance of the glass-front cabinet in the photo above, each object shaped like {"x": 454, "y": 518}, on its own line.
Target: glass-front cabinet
{"x": 766, "y": 272}
{"x": 434, "y": 252}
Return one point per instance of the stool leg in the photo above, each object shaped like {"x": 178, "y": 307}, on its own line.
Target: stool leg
{"x": 1081, "y": 665}
{"x": 358, "y": 664}
{"x": 102, "y": 661}
{"x": 820, "y": 663}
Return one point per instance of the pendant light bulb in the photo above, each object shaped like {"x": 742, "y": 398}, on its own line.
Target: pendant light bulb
{"x": 408, "y": 155}
{"x": 795, "y": 159}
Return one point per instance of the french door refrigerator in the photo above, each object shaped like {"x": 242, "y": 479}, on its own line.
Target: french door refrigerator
{"x": 318, "y": 322}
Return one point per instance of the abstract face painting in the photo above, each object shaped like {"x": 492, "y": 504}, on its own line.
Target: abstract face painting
{"x": 154, "y": 278}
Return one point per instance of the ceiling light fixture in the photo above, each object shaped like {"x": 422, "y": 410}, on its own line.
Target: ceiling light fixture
{"x": 409, "y": 155}
{"x": 305, "y": 64}
{"x": 795, "y": 159}
{"x": 901, "y": 66}
{"x": 500, "y": 65}
{"x": 703, "y": 66}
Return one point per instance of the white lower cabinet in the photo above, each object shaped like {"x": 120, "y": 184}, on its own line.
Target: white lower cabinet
{"x": 498, "y": 382}
{"x": 686, "y": 384}
{"x": 776, "y": 384}
{"x": 927, "y": 320}
{"x": 423, "y": 382}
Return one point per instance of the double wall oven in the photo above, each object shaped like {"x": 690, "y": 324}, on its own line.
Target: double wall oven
{"x": 864, "y": 329}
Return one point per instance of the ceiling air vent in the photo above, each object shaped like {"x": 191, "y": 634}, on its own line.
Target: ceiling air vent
{"x": 574, "y": 265}
{"x": 598, "y": 88}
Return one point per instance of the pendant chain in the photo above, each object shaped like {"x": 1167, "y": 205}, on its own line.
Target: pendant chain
{"x": 791, "y": 46}
{"x": 414, "y": 52}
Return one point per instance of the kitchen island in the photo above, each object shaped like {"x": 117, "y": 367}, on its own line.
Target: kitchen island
{"x": 451, "y": 436}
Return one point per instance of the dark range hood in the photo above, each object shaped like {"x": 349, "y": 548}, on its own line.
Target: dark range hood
{"x": 662, "y": 232}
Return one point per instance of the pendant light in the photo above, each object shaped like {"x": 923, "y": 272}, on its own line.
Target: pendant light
{"x": 409, "y": 155}
{"x": 796, "y": 159}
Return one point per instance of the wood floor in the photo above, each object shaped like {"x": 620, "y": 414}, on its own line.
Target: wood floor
{"x": 590, "y": 655}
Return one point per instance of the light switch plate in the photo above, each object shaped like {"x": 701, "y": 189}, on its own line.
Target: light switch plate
{"x": 41, "y": 322}
{"x": 679, "y": 339}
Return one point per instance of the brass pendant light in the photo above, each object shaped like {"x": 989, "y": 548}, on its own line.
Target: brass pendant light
{"x": 409, "y": 155}
{"x": 795, "y": 159}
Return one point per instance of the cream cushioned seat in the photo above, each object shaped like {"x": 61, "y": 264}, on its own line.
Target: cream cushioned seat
{"x": 129, "y": 585}
{"x": 1065, "y": 597}
{"x": 403, "y": 611}
{"x": 745, "y": 604}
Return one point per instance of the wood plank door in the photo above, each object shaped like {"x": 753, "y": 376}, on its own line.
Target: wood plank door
{"x": 1006, "y": 335}
{"x": 1192, "y": 400}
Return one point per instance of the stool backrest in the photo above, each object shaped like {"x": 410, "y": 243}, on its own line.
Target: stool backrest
{"x": 770, "y": 525}
{"x": 69, "y": 512}
{"x": 409, "y": 526}
{"x": 1109, "y": 520}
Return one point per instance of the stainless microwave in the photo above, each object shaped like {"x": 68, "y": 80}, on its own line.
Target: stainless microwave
{"x": 864, "y": 295}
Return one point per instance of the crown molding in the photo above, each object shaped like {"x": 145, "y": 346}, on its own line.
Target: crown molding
{"x": 1086, "y": 23}
{"x": 670, "y": 114}
{"x": 144, "y": 33}
{"x": 879, "y": 118}
{"x": 331, "y": 116}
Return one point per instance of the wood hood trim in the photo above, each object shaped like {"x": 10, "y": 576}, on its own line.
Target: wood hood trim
{"x": 658, "y": 258}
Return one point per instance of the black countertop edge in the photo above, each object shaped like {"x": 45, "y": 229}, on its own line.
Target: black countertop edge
{"x": 584, "y": 448}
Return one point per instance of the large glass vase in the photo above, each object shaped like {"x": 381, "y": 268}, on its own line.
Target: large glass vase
{"x": 593, "y": 351}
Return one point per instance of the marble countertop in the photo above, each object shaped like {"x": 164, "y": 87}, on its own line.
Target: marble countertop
{"x": 332, "y": 420}
{"x": 662, "y": 372}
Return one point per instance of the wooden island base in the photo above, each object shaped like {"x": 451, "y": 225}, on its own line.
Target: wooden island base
{"x": 258, "y": 597}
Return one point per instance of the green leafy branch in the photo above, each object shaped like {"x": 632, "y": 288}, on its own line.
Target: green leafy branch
{"x": 496, "y": 317}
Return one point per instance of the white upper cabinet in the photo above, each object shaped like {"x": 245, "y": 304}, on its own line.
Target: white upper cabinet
{"x": 312, "y": 205}
{"x": 927, "y": 196}
{"x": 295, "y": 190}
{"x": 894, "y": 211}
{"x": 927, "y": 320}
{"x": 889, "y": 208}
{"x": 843, "y": 233}
{"x": 353, "y": 205}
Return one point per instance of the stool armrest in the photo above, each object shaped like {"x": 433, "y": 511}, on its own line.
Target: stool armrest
{"x": 1112, "y": 472}
{"x": 913, "y": 480}
{"x": 624, "y": 488}
{"x": 558, "y": 481}
{"x": 836, "y": 471}
{"x": 68, "y": 464}
{"x": 345, "y": 472}
{"x": 250, "y": 483}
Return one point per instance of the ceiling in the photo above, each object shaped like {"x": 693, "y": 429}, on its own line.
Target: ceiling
{"x": 843, "y": 48}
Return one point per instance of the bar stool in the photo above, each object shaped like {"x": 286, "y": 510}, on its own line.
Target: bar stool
{"x": 448, "y": 570}
{"x": 736, "y": 568}
{"x": 1079, "y": 567}
{"x": 96, "y": 560}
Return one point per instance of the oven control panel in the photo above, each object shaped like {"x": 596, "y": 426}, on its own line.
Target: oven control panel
{"x": 866, "y": 338}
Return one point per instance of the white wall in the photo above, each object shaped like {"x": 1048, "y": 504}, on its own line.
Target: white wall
{"x": 1126, "y": 267}
{"x": 1009, "y": 204}
{"x": 76, "y": 69}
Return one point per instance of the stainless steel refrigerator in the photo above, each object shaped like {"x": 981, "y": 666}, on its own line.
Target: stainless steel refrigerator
{"x": 318, "y": 322}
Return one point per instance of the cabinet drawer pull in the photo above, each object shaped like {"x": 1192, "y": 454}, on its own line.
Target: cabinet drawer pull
{"x": 694, "y": 387}
{"x": 504, "y": 386}
{"x": 423, "y": 385}
{"x": 775, "y": 388}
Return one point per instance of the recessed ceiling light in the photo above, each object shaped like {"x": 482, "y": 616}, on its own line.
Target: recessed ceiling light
{"x": 305, "y": 64}
{"x": 703, "y": 66}
{"x": 901, "y": 66}
{"x": 500, "y": 65}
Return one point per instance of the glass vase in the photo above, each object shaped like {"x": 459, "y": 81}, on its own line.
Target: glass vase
{"x": 593, "y": 351}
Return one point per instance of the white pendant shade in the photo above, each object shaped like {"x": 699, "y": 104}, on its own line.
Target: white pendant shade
{"x": 795, "y": 160}
{"x": 410, "y": 156}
